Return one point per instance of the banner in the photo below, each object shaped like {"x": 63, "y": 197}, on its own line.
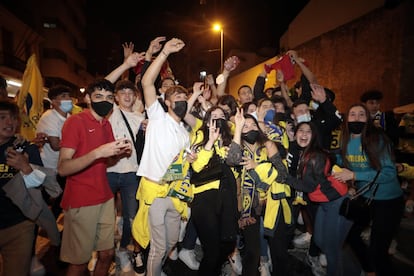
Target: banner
{"x": 30, "y": 99}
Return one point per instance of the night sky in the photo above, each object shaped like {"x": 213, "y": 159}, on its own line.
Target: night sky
{"x": 249, "y": 25}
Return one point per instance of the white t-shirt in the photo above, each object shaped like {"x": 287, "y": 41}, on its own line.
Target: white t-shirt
{"x": 51, "y": 123}
{"x": 120, "y": 130}
{"x": 164, "y": 139}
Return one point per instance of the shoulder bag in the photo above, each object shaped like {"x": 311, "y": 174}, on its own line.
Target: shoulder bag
{"x": 356, "y": 207}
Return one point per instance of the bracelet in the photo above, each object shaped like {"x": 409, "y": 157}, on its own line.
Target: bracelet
{"x": 162, "y": 52}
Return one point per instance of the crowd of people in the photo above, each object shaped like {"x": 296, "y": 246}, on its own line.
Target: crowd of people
{"x": 177, "y": 166}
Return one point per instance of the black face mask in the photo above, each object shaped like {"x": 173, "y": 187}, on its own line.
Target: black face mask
{"x": 102, "y": 108}
{"x": 356, "y": 127}
{"x": 280, "y": 116}
{"x": 251, "y": 136}
{"x": 180, "y": 109}
{"x": 221, "y": 124}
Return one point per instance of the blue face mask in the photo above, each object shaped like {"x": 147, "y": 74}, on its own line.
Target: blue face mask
{"x": 66, "y": 105}
{"x": 270, "y": 114}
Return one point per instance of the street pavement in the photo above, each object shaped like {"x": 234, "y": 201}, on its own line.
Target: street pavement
{"x": 403, "y": 258}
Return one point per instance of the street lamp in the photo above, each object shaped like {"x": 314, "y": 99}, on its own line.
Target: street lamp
{"x": 218, "y": 28}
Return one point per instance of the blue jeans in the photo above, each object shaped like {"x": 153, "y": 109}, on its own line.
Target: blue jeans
{"x": 330, "y": 232}
{"x": 127, "y": 184}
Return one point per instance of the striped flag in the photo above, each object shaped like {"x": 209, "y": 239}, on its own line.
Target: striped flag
{"x": 30, "y": 99}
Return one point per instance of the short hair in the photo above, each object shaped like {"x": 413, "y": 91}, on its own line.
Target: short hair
{"x": 9, "y": 106}
{"x": 125, "y": 84}
{"x": 57, "y": 90}
{"x": 279, "y": 99}
{"x": 176, "y": 89}
{"x": 299, "y": 102}
{"x": 100, "y": 84}
{"x": 243, "y": 86}
{"x": 371, "y": 95}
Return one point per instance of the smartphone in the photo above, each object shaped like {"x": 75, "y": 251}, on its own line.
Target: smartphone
{"x": 203, "y": 78}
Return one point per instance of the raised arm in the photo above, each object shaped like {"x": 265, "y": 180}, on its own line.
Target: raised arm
{"x": 229, "y": 65}
{"x": 128, "y": 50}
{"x": 283, "y": 87}
{"x": 259, "y": 85}
{"x": 197, "y": 91}
{"x": 131, "y": 61}
{"x": 148, "y": 80}
{"x": 300, "y": 62}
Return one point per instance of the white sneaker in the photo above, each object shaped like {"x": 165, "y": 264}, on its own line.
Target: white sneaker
{"x": 302, "y": 241}
{"x": 124, "y": 260}
{"x": 92, "y": 261}
{"x": 264, "y": 269}
{"x": 188, "y": 257}
{"x": 139, "y": 267}
{"x": 37, "y": 268}
{"x": 315, "y": 265}
{"x": 236, "y": 262}
{"x": 173, "y": 254}
{"x": 322, "y": 260}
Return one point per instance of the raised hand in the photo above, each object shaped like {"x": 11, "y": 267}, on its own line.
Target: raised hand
{"x": 318, "y": 93}
{"x": 134, "y": 58}
{"x": 231, "y": 63}
{"x": 173, "y": 45}
{"x": 239, "y": 118}
{"x": 214, "y": 132}
{"x": 280, "y": 77}
{"x": 155, "y": 45}
{"x": 198, "y": 88}
{"x": 128, "y": 49}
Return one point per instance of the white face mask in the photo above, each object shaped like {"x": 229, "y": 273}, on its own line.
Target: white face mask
{"x": 66, "y": 105}
{"x": 303, "y": 118}
{"x": 254, "y": 114}
{"x": 314, "y": 105}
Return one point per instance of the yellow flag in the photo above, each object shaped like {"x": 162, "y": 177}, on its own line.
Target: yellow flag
{"x": 30, "y": 99}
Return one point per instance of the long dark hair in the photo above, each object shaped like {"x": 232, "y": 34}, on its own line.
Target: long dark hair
{"x": 374, "y": 142}
{"x": 312, "y": 152}
{"x": 226, "y": 135}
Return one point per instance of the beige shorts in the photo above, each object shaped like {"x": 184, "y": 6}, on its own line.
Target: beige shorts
{"x": 87, "y": 229}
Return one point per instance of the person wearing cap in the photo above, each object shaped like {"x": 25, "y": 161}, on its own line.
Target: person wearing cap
{"x": 385, "y": 120}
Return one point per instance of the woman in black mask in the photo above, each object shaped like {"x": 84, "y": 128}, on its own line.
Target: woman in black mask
{"x": 365, "y": 151}
{"x": 214, "y": 207}
{"x": 262, "y": 175}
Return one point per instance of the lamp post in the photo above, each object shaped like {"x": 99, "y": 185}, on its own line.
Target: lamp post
{"x": 218, "y": 28}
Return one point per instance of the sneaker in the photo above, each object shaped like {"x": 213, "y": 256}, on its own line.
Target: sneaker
{"x": 393, "y": 247}
{"x": 315, "y": 265}
{"x": 138, "y": 264}
{"x": 366, "y": 235}
{"x": 188, "y": 257}
{"x": 264, "y": 269}
{"x": 322, "y": 260}
{"x": 236, "y": 262}
{"x": 92, "y": 262}
{"x": 302, "y": 241}
{"x": 124, "y": 260}
{"x": 226, "y": 269}
{"x": 37, "y": 268}
{"x": 173, "y": 254}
